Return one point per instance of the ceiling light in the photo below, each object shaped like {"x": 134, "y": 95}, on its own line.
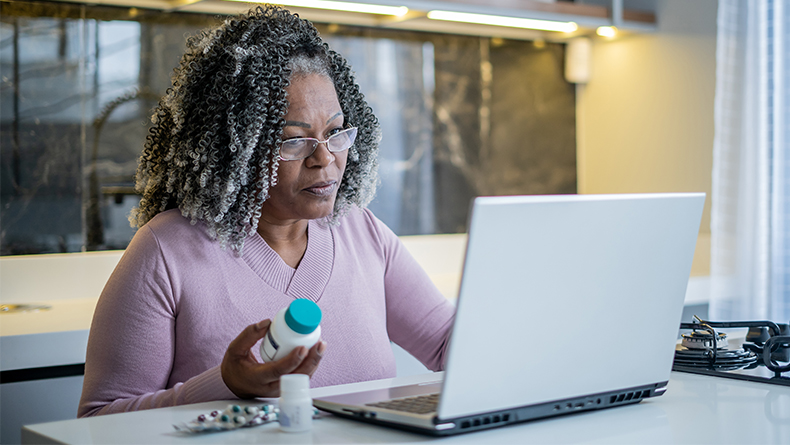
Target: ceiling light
{"x": 606, "y": 31}
{"x": 341, "y": 6}
{"x": 497, "y": 20}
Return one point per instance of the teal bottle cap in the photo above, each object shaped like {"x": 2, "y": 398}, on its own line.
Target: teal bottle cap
{"x": 303, "y": 316}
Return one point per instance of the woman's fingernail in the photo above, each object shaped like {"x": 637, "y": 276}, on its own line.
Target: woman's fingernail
{"x": 302, "y": 352}
{"x": 321, "y": 348}
{"x": 262, "y": 324}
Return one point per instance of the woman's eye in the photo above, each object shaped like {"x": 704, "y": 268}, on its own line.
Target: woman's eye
{"x": 334, "y": 131}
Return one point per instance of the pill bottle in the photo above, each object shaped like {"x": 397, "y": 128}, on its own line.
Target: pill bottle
{"x": 293, "y": 326}
{"x": 296, "y": 406}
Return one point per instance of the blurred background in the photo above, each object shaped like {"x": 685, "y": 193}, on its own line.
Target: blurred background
{"x": 466, "y": 110}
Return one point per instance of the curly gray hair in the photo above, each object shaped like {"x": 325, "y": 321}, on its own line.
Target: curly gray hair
{"x": 212, "y": 150}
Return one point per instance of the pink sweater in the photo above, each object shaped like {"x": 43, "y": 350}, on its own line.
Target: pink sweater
{"x": 176, "y": 300}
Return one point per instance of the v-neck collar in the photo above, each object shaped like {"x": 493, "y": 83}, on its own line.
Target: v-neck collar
{"x": 310, "y": 278}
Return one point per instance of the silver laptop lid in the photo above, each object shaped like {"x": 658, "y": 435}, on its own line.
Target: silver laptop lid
{"x": 563, "y": 296}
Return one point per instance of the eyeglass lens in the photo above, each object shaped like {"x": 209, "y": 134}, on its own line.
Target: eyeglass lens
{"x": 300, "y": 148}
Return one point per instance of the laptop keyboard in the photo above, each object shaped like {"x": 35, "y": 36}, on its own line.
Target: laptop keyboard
{"x": 416, "y": 405}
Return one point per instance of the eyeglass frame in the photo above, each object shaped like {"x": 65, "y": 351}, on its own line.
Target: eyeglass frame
{"x": 317, "y": 143}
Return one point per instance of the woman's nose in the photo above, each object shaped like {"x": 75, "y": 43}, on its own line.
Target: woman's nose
{"x": 321, "y": 157}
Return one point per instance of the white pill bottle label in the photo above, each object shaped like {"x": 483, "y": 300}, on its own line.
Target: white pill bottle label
{"x": 296, "y": 406}
{"x": 293, "y": 326}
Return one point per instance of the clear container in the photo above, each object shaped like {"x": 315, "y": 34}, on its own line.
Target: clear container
{"x": 296, "y": 406}
{"x": 293, "y": 326}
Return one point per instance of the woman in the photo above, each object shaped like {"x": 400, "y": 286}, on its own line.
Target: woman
{"x": 255, "y": 177}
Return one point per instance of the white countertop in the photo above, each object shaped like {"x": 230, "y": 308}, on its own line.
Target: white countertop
{"x": 694, "y": 410}
{"x": 71, "y": 284}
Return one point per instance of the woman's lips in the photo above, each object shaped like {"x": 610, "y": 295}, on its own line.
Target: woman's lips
{"x": 322, "y": 188}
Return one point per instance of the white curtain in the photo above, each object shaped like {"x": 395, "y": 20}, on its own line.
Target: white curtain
{"x": 750, "y": 220}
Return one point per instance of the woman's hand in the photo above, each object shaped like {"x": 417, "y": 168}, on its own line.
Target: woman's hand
{"x": 247, "y": 377}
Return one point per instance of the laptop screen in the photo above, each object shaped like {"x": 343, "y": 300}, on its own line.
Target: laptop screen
{"x": 570, "y": 295}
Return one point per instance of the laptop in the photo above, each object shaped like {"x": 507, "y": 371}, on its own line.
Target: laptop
{"x": 567, "y": 303}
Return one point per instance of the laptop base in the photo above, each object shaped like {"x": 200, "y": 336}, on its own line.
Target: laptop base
{"x": 486, "y": 421}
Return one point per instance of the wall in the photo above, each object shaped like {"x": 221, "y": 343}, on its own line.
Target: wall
{"x": 645, "y": 119}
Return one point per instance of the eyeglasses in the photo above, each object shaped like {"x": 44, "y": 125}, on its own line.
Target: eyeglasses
{"x": 301, "y": 148}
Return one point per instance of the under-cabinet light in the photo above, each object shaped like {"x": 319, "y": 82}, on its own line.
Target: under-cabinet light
{"x": 341, "y": 6}
{"x": 498, "y": 20}
{"x": 606, "y": 31}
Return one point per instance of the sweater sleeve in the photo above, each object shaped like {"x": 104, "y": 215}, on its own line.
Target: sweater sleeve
{"x": 132, "y": 337}
{"x": 419, "y": 317}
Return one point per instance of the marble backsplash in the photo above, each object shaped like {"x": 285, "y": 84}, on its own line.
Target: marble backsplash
{"x": 461, "y": 116}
